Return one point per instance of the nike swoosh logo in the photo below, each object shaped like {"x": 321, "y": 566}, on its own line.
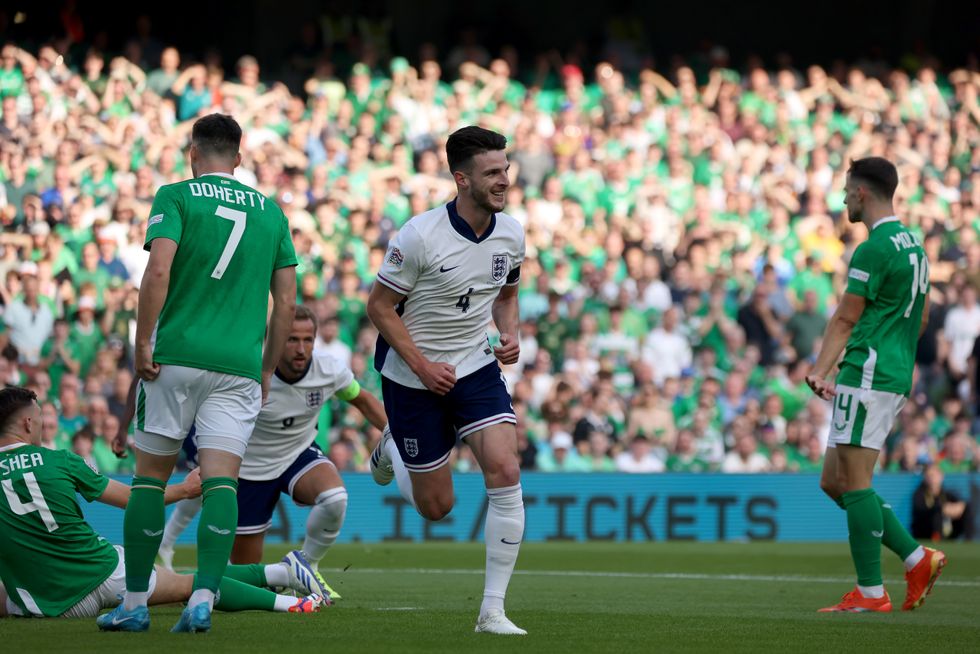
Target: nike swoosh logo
{"x": 877, "y": 534}
{"x": 116, "y": 621}
{"x": 840, "y": 427}
{"x": 507, "y": 542}
{"x": 152, "y": 534}
{"x": 444, "y": 269}
{"x": 223, "y": 532}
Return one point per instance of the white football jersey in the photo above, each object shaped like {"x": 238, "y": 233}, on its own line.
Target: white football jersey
{"x": 450, "y": 279}
{"x": 287, "y": 423}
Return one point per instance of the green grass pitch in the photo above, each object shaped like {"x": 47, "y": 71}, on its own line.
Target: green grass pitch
{"x": 571, "y": 597}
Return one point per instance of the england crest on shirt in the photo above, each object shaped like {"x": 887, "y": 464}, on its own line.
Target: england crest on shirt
{"x": 498, "y": 267}
{"x": 314, "y": 398}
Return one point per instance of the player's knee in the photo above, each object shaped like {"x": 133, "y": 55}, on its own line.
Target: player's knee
{"x": 333, "y": 502}
{"x": 435, "y": 508}
{"x": 504, "y": 474}
{"x": 831, "y": 487}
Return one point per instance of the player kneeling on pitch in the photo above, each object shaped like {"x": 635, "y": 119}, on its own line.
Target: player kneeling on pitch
{"x": 282, "y": 457}
{"x": 42, "y": 529}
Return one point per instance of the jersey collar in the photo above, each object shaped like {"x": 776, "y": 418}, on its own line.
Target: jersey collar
{"x": 219, "y": 175}
{"x": 882, "y": 221}
{"x": 298, "y": 379}
{"x": 463, "y": 228}
{"x": 13, "y": 446}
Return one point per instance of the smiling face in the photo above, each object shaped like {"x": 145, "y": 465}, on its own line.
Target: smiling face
{"x": 486, "y": 181}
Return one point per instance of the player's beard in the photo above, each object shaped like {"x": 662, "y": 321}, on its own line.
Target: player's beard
{"x": 486, "y": 201}
{"x": 854, "y": 215}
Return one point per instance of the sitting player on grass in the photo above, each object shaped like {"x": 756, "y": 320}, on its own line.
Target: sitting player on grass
{"x": 42, "y": 529}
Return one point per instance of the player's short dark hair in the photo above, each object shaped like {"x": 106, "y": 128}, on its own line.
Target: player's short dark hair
{"x": 303, "y": 312}
{"x": 467, "y": 142}
{"x": 12, "y": 400}
{"x": 877, "y": 173}
{"x": 217, "y": 135}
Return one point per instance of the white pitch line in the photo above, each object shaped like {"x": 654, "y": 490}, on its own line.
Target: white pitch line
{"x": 399, "y": 608}
{"x": 683, "y": 576}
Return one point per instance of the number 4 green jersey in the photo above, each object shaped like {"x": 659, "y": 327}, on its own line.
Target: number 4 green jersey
{"x": 50, "y": 558}
{"x": 230, "y": 238}
{"x": 891, "y": 273}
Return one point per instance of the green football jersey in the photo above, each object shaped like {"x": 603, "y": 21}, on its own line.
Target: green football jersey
{"x": 230, "y": 238}
{"x": 891, "y": 272}
{"x": 50, "y": 558}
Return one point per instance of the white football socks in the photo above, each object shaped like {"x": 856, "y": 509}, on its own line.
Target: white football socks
{"x": 503, "y": 533}
{"x": 402, "y": 478}
{"x": 284, "y": 603}
{"x": 182, "y": 516}
{"x": 914, "y": 558}
{"x": 133, "y": 600}
{"x": 873, "y": 592}
{"x": 201, "y": 595}
{"x": 276, "y": 574}
{"x": 323, "y": 525}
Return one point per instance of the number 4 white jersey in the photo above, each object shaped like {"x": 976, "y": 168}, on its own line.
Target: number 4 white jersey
{"x": 287, "y": 423}
{"x": 450, "y": 278}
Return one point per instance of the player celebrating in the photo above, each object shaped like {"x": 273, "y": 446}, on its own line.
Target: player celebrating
{"x": 879, "y": 318}
{"x": 445, "y": 273}
{"x": 281, "y": 455}
{"x": 215, "y": 245}
{"x": 42, "y": 528}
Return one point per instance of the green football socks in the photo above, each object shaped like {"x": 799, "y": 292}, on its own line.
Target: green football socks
{"x": 216, "y": 531}
{"x": 252, "y": 574}
{"x": 143, "y": 531}
{"x": 865, "y": 530}
{"x": 896, "y": 537}
{"x": 235, "y": 595}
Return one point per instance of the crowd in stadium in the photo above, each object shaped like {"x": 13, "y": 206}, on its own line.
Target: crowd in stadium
{"x": 686, "y": 234}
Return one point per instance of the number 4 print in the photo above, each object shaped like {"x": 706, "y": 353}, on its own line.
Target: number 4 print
{"x": 464, "y": 301}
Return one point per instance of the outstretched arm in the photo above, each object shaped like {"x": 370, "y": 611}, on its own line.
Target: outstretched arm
{"x": 117, "y": 494}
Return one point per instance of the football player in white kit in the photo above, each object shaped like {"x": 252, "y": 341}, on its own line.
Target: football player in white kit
{"x": 281, "y": 455}
{"x": 282, "y": 458}
{"x": 445, "y": 274}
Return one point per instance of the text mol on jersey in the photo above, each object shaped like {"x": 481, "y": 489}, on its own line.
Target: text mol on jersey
{"x": 904, "y": 241}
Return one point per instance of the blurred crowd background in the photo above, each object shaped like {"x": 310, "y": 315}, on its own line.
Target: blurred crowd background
{"x": 686, "y": 235}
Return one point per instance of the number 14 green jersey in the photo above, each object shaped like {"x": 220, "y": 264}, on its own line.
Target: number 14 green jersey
{"x": 891, "y": 272}
{"x": 230, "y": 238}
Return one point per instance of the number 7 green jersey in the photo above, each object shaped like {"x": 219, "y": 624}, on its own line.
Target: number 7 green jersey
{"x": 891, "y": 272}
{"x": 230, "y": 238}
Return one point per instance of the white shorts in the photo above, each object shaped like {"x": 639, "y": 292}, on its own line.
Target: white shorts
{"x": 222, "y": 407}
{"x": 863, "y": 417}
{"x": 106, "y": 596}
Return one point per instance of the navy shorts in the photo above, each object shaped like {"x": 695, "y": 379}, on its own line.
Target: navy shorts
{"x": 257, "y": 499}
{"x": 189, "y": 446}
{"x": 426, "y": 426}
